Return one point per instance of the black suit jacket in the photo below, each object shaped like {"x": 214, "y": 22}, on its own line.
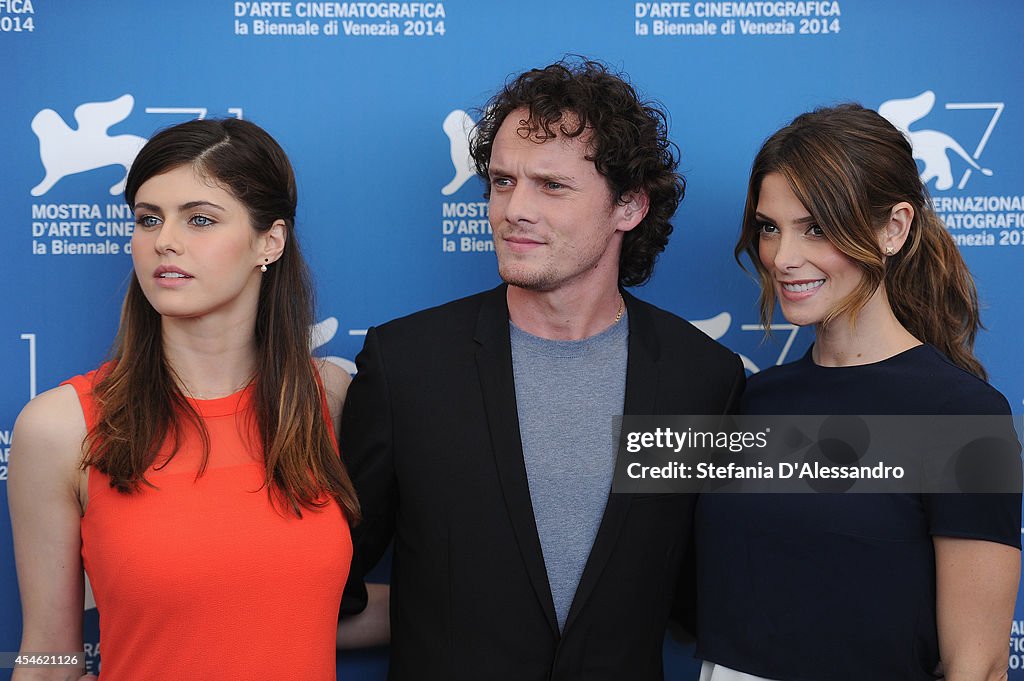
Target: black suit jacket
{"x": 430, "y": 435}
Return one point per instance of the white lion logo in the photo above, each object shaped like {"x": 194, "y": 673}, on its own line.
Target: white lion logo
{"x": 716, "y": 327}
{"x": 930, "y": 146}
{"x": 321, "y": 334}
{"x": 64, "y": 151}
{"x": 459, "y": 128}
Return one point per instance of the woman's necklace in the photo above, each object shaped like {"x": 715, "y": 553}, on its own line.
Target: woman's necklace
{"x": 213, "y": 396}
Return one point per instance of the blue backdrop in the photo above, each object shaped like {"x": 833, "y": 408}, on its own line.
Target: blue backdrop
{"x": 370, "y": 100}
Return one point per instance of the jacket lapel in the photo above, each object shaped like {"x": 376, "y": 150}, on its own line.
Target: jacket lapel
{"x": 640, "y": 398}
{"x": 494, "y": 365}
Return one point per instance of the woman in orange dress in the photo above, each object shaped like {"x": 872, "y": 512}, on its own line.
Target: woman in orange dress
{"x": 195, "y": 476}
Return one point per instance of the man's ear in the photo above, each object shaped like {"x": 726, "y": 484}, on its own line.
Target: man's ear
{"x": 634, "y": 206}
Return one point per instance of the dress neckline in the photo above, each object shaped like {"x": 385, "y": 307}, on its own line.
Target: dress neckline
{"x": 808, "y": 359}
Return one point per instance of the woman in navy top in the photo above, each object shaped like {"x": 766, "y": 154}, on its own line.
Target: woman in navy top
{"x": 828, "y": 587}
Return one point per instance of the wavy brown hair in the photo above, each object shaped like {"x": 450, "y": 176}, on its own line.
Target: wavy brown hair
{"x": 849, "y": 167}
{"x": 628, "y": 141}
{"x": 140, "y": 404}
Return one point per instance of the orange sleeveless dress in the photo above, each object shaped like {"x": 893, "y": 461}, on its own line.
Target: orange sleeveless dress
{"x": 203, "y": 578}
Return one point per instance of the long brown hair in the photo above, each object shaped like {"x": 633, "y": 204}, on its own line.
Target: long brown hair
{"x": 140, "y": 403}
{"x": 849, "y": 167}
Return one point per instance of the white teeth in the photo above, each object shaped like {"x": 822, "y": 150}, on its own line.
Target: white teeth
{"x": 172, "y": 275}
{"x": 799, "y": 288}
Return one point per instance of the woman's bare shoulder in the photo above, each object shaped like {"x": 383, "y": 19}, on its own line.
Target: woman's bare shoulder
{"x": 54, "y": 417}
{"x": 48, "y": 437}
{"x": 336, "y": 381}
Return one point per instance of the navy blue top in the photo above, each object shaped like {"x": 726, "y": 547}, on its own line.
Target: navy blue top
{"x": 828, "y": 587}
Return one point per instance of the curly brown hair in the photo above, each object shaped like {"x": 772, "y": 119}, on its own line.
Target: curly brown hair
{"x": 628, "y": 140}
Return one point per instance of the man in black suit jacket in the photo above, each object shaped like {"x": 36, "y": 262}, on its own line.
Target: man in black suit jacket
{"x": 582, "y": 184}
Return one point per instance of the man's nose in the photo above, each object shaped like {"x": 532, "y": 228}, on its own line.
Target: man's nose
{"x": 521, "y": 206}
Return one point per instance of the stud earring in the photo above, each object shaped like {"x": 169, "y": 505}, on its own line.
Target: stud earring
{"x": 888, "y": 250}
{"x": 263, "y": 267}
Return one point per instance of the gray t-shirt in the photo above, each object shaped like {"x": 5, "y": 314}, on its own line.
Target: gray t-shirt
{"x": 567, "y": 393}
